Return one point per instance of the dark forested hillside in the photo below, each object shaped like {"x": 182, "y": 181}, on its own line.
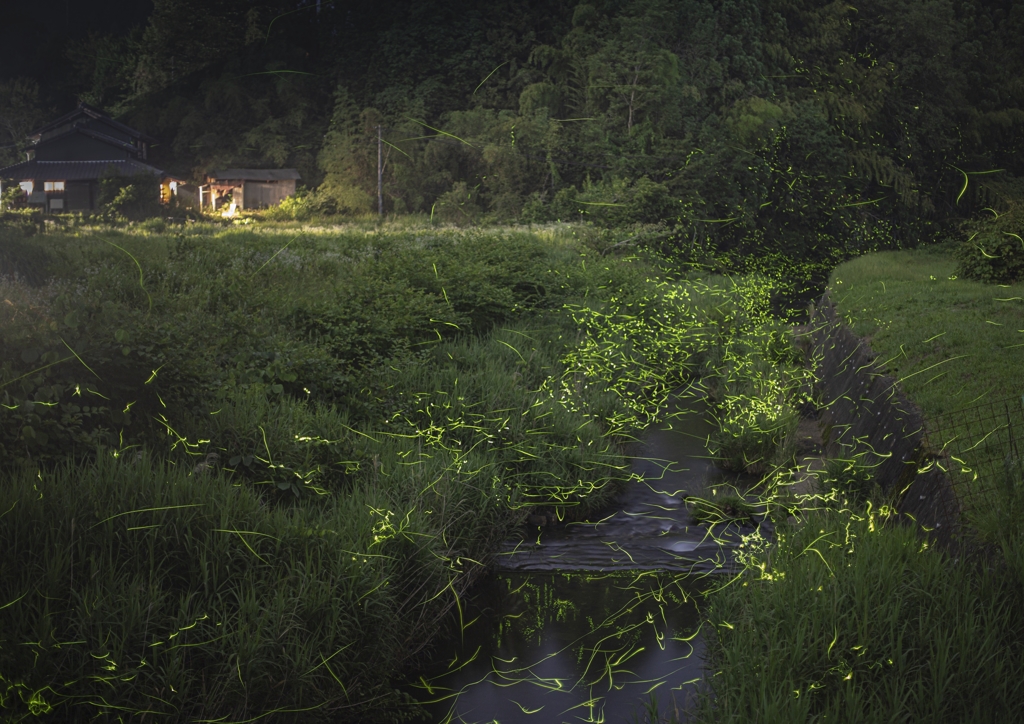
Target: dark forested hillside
{"x": 780, "y": 125}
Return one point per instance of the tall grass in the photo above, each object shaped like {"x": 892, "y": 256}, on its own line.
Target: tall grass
{"x": 248, "y": 472}
{"x": 851, "y": 618}
{"x": 849, "y": 615}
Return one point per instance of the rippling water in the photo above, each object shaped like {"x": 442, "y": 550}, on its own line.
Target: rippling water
{"x": 588, "y": 621}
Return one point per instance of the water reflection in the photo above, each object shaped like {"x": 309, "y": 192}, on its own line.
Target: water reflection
{"x": 650, "y": 527}
{"x": 569, "y": 647}
{"x": 584, "y": 622}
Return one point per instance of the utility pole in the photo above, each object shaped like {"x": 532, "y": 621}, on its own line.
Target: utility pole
{"x": 380, "y": 174}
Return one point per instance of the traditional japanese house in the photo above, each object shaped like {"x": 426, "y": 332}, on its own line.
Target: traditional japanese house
{"x": 66, "y": 158}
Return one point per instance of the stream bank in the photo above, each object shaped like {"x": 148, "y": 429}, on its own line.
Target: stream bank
{"x": 865, "y": 414}
{"x": 590, "y": 621}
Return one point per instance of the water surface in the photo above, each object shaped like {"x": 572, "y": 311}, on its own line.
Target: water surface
{"x": 588, "y": 621}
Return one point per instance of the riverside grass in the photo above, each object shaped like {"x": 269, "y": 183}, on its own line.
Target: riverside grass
{"x": 850, "y": 616}
{"x": 950, "y": 342}
{"x": 248, "y": 472}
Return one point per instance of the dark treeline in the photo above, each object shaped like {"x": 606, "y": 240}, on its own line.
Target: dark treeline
{"x": 785, "y": 126}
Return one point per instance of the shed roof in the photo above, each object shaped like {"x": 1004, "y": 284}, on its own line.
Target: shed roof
{"x": 74, "y": 170}
{"x": 254, "y": 174}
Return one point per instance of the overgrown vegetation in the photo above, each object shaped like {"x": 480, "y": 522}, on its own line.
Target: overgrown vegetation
{"x": 403, "y": 397}
{"x": 195, "y": 419}
{"x": 851, "y": 617}
{"x": 849, "y": 614}
{"x": 787, "y": 130}
{"x": 993, "y": 250}
{"x": 950, "y": 342}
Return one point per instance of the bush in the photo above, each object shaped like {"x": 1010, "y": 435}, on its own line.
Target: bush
{"x": 847, "y": 482}
{"x": 20, "y": 256}
{"x": 299, "y": 207}
{"x": 458, "y": 206}
{"x": 128, "y": 197}
{"x": 13, "y": 195}
{"x": 994, "y": 250}
{"x": 754, "y": 381}
{"x": 209, "y": 584}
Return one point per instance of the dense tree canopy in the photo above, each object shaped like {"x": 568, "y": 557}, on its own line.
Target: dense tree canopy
{"x": 781, "y": 125}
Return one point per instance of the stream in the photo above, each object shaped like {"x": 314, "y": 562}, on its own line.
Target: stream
{"x": 594, "y": 620}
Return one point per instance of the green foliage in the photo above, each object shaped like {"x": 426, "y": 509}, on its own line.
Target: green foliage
{"x": 999, "y": 521}
{"x": 725, "y": 508}
{"x": 186, "y": 596}
{"x": 21, "y": 111}
{"x": 345, "y": 157}
{"x": 458, "y": 206}
{"x": 834, "y": 619}
{"x": 615, "y": 203}
{"x": 951, "y": 343}
{"x": 753, "y": 381}
{"x": 12, "y": 195}
{"x": 270, "y": 399}
{"x": 300, "y": 207}
{"x": 93, "y": 356}
{"x": 788, "y": 128}
{"x": 128, "y": 197}
{"x": 248, "y": 395}
{"x": 847, "y": 483}
{"x": 994, "y": 251}
{"x": 918, "y": 312}
{"x": 19, "y": 256}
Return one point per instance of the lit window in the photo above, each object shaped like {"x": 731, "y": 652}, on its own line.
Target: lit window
{"x": 26, "y": 186}
{"x": 53, "y": 185}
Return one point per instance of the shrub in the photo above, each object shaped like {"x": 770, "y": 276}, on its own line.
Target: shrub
{"x": 459, "y": 205}
{"x": 754, "y": 381}
{"x": 846, "y": 482}
{"x": 727, "y": 508}
{"x": 128, "y": 197}
{"x": 994, "y": 250}
{"x": 299, "y": 207}
{"x": 21, "y": 256}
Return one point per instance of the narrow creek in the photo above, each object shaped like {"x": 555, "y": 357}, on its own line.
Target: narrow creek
{"x": 587, "y": 622}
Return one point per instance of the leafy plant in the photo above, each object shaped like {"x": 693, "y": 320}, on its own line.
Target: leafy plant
{"x": 828, "y": 621}
{"x": 728, "y": 508}
{"x": 994, "y": 252}
{"x": 128, "y": 197}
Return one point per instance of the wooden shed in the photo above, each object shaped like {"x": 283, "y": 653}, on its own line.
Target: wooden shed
{"x": 250, "y": 188}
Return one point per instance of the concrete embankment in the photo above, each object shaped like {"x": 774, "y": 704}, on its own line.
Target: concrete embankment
{"x": 864, "y": 413}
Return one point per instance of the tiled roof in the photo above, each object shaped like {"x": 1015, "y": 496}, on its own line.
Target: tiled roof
{"x": 74, "y": 170}
{"x": 255, "y": 174}
{"x": 84, "y": 109}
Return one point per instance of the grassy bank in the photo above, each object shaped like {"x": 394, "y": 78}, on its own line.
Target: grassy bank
{"x": 248, "y": 471}
{"x": 849, "y": 616}
{"x": 953, "y": 345}
{"x": 950, "y": 342}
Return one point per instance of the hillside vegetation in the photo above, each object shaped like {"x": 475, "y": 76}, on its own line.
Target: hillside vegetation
{"x": 793, "y": 131}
